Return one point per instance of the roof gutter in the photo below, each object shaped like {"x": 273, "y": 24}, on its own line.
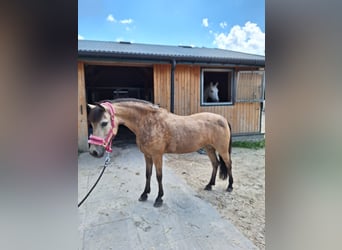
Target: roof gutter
{"x": 98, "y": 55}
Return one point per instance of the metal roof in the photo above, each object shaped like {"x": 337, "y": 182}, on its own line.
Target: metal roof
{"x": 126, "y": 50}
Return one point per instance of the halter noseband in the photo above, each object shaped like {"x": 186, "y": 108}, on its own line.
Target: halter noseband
{"x": 107, "y": 142}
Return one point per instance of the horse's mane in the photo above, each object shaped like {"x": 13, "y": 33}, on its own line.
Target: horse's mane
{"x": 128, "y": 101}
{"x": 96, "y": 113}
{"x": 131, "y": 100}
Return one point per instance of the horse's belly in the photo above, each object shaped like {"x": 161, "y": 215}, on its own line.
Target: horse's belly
{"x": 185, "y": 147}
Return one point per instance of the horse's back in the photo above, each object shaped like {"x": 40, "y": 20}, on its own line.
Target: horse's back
{"x": 164, "y": 132}
{"x": 210, "y": 118}
{"x": 190, "y": 133}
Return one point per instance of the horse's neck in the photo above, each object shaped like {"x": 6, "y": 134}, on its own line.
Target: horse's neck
{"x": 129, "y": 116}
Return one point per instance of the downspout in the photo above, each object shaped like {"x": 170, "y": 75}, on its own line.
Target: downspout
{"x": 172, "y": 93}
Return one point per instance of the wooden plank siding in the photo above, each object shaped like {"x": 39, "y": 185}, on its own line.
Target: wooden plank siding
{"x": 82, "y": 110}
{"x": 244, "y": 116}
{"x": 249, "y": 86}
{"x": 247, "y": 117}
{"x": 162, "y": 85}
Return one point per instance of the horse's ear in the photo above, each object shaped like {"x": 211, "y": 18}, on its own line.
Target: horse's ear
{"x": 91, "y": 106}
{"x": 216, "y": 84}
{"x": 101, "y": 106}
{"x": 211, "y": 84}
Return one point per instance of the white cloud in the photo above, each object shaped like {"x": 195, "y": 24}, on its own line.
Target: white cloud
{"x": 80, "y": 37}
{"x": 110, "y": 18}
{"x": 223, "y": 24}
{"x": 119, "y": 39}
{"x": 248, "y": 39}
{"x": 126, "y": 21}
{"x": 205, "y": 22}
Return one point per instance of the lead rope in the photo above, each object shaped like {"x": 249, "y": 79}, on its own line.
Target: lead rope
{"x": 107, "y": 160}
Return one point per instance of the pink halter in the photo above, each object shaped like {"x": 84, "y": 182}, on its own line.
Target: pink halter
{"x": 107, "y": 142}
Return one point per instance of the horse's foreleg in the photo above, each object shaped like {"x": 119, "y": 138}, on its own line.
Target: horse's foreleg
{"x": 214, "y": 162}
{"x": 147, "y": 189}
{"x": 158, "y": 163}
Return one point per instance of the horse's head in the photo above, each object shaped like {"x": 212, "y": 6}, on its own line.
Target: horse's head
{"x": 105, "y": 126}
{"x": 211, "y": 93}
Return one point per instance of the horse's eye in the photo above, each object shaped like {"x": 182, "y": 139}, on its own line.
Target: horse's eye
{"x": 104, "y": 124}
{"x": 211, "y": 91}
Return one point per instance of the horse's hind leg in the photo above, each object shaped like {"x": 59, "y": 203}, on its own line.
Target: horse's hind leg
{"x": 147, "y": 189}
{"x": 226, "y": 169}
{"x": 224, "y": 149}
{"x": 214, "y": 162}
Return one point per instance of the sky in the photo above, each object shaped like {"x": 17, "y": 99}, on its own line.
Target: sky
{"x": 237, "y": 25}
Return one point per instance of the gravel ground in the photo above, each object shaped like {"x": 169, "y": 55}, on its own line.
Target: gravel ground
{"x": 245, "y": 206}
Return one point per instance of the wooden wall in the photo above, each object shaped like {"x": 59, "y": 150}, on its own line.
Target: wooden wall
{"x": 187, "y": 89}
{"x": 162, "y": 83}
{"x": 243, "y": 116}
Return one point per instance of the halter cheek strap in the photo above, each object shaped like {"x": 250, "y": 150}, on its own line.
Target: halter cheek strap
{"x": 107, "y": 142}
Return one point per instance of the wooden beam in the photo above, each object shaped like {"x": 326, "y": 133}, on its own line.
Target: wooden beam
{"x": 82, "y": 111}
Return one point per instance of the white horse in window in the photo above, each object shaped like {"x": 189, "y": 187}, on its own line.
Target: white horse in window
{"x": 211, "y": 93}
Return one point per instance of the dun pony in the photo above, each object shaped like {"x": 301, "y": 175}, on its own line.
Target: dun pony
{"x": 159, "y": 131}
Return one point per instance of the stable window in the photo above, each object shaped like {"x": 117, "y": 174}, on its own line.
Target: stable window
{"x": 217, "y": 87}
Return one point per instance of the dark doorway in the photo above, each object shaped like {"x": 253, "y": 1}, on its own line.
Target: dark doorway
{"x": 111, "y": 82}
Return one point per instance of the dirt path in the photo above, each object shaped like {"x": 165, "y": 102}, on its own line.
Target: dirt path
{"x": 113, "y": 218}
{"x": 245, "y": 206}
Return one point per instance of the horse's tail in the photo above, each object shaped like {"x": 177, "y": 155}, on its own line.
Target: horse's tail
{"x": 223, "y": 167}
{"x": 230, "y": 140}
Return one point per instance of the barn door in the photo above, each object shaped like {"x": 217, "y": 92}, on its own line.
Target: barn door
{"x": 249, "y": 98}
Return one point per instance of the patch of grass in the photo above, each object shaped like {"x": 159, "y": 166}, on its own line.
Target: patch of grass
{"x": 249, "y": 144}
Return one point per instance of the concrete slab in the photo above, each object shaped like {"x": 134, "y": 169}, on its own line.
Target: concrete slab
{"x": 113, "y": 218}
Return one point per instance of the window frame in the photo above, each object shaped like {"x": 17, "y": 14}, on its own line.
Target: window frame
{"x": 232, "y": 87}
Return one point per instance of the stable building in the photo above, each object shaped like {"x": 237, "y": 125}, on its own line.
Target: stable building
{"x": 173, "y": 77}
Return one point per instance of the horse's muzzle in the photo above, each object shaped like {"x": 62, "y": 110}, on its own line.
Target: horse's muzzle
{"x": 96, "y": 151}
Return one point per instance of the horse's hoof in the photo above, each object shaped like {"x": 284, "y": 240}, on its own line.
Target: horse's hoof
{"x": 229, "y": 189}
{"x": 158, "y": 203}
{"x": 143, "y": 197}
{"x": 207, "y": 187}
